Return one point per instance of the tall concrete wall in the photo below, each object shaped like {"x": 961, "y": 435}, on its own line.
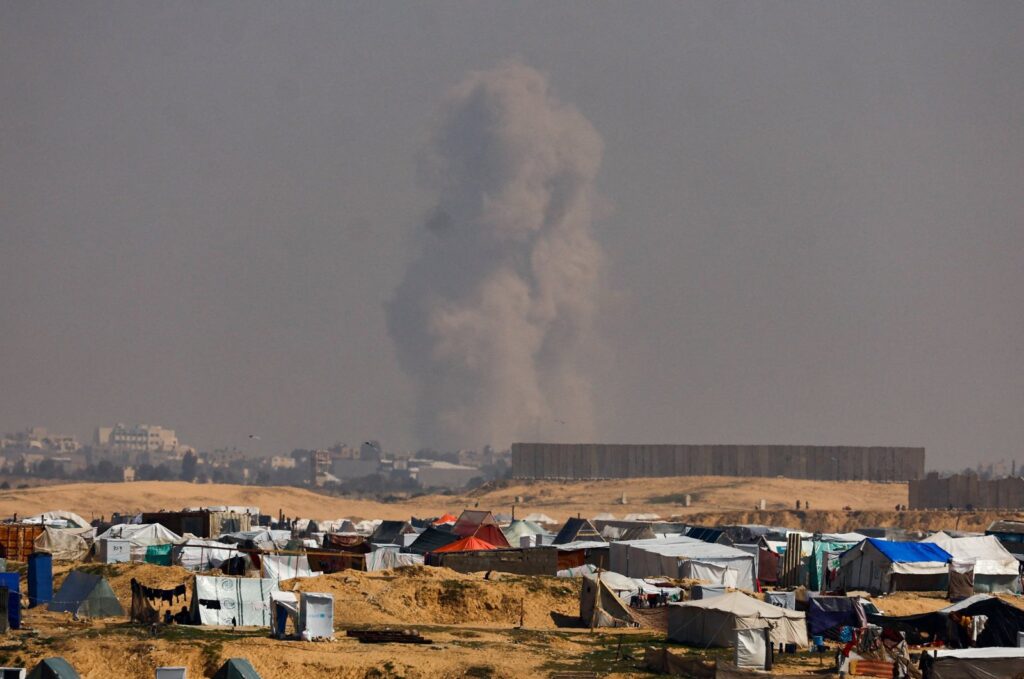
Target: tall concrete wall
{"x": 617, "y": 461}
{"x": 962, "y": 490}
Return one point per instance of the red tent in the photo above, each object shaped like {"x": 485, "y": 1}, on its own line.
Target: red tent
{"x": 470, "y": 544}
{"x": 447, "y": 518}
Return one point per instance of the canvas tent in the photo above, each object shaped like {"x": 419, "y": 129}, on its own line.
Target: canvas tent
{"x": 278, "y": 567}
{"x": 603, "y": 600}
{"x": 577, "y": 530}
{"x": 236, "y": 668}
{"x": 713, "y": 563}
{"x": 86, "y": 595}
{"x": 232, "y": 601}
{"x": 972, "y": 663}
{"x": 65, "y": 544}
{"x": 482, "y": 525}
{"x": 141, "y": 536}
{"x": 713, "y": 622}
{"x": 994, "y": 568}
{"x": 884, "y": 566}
{"x": 53, "y": 668}
{"x": 619, "y": 552}
{"x": 386, "y": 558}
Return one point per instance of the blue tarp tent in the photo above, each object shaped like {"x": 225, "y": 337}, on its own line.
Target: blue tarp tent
{"x": 878, "y": 565}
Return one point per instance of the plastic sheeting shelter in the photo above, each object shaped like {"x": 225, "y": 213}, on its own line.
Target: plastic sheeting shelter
{"x": 53, "y": 668}
{"x": 712, "y": 622}
{"x": 713, "y": 563}
{"x": 86, "y": 595}
{"x": 884, "y": 566}
{"x": 236, "y": 668}
{"x": 602, "y": 600}
{"x": 995, "y": 569}
{"x": 973, "y": 663}
{"x": 141, "y": 536}
{"x": 752, "y": 650}
{"x": 278, "y": 567}
{"x": 65, "y": 544}
{"x": 232, "y": 601}
{"x": 827, "y": 613}
{"x": 196, "y": 554}
{"x": 389, "y": 557}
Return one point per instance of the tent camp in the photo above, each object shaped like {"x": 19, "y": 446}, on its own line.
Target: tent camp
{"x": 994, "y": 568}
{"x": 141, "y": 536}
{"x": 604, "y": 600}
{"x": 714, "y": 621}
{"x": 53, "y": 668}
{"x": 86, "y": 595}
{"x": 232, "y": 601}
{"x": 236, "y": 668}
{"x": 884, "y": 566}
{"x": 482, "y": 525}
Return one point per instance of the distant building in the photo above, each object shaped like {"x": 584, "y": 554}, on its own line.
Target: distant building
{"x": 438, "y": 474}
{"x": 139, "y": 438}
{"x": 38, "y": 439}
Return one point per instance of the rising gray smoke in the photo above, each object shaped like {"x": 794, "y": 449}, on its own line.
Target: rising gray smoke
{"x": 490, "y": 318}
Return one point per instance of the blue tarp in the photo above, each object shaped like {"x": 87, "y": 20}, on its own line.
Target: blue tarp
{"x": 910, "y": 552}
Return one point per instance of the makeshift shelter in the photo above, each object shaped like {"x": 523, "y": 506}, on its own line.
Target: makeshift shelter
{"x": 972, "y": 663}
{"x": 389, "y": 557}
{"x": 576, "y": 554}
{"x": 141, "y": 536}
{"x": 520, "y": 528}
{"x": 1004, "y": 622}
{"x": 197, "y": 554}
{"x": 603, "y": 600}
{"x": 713, "y": 622}
{"x": 53, "y": 668}
{"x": 577, "y": 530}
{"x": 86, "y": 595}
{"x": 827, "y": 614}
{"x": 391, "y": 532}
{"x": 236, "y": 668}
{"x": 878, "y": 565}
{"x": 482, "y": 525}
{"x": 65, "y": 544}
{"x": 467, "y": 544}
{"x": 995, "y": 569}
{"x": 715, "y": 564}
{"x": 824, "y": 558}
{"x": 59, "y": 519}
{"x": 284, "y": 607}
{"x": 431, "y": 540}
{"x": 232, "y": 601}
{"x": 278, "y": 567}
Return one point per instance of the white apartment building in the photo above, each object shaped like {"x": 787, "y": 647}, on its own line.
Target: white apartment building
{"x": 139, "y": 438}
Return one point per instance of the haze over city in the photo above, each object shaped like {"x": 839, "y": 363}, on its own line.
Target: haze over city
{"x": 465, "y": 223}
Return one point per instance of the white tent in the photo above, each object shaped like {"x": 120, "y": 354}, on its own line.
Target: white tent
{"x": 713, "y": 622}
{"x": 715, "y": 564}
{"x": 141, "y": 536}
{"x": 59, "y": 519}
{"x": 538, "y": 517}
{"x": 621, "y": 550}
{"x": 197, "y": 554}
{"x": 278, "y": 567}
{"x": 232, "y": 601}
{"x": 385, "y": 558}
{"x": 995, "y": 568}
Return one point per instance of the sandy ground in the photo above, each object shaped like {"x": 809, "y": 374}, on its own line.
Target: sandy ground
{"x": 664, "y": 497}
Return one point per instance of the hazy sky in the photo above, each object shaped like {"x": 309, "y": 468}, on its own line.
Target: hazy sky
{"x": 811, "y": 213}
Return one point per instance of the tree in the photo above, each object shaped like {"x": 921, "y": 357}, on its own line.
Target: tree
{"x": 188, "y": 467}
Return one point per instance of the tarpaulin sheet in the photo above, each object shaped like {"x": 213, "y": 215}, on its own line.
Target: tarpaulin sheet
{"x": 911, "y": 552}
{"x": 232, "y": 601}
{"x": 825, "y": 613}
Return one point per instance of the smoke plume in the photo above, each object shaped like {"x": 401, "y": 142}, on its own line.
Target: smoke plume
{"x": 491, "y": 317}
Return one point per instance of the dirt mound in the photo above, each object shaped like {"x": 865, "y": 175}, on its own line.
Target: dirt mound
{"x": 426, "y": 595}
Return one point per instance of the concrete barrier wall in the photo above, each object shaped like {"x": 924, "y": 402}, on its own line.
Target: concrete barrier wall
{"x": 617, "y": 461}
{"x": 963, "y": 490}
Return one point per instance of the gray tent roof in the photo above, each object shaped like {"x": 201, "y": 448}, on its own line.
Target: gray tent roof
{"x": 53, "y": 668}
{"x": 87, "y": 595}
{"x": 236, "y": 668}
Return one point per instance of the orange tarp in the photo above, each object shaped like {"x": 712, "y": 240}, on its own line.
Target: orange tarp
{"x": 470, "y": 544}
